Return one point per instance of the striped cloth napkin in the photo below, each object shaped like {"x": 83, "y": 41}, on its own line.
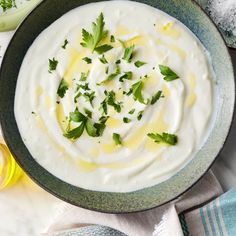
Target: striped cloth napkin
{"x": 200, "y": 211}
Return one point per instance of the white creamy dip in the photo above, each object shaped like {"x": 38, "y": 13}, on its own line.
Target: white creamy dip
{"x": 97, "y": 163}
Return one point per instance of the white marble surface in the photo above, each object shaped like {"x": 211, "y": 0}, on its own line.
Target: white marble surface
{"x": 27, "y": 210}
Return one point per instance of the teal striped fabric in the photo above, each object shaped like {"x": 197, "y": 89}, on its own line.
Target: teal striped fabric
{"x": 217, "y": 218}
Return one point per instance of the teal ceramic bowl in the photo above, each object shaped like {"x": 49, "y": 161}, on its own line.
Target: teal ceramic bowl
{"x": 193, "y": 17}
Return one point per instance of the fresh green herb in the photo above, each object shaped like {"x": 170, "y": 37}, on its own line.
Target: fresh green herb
{"x": 75, "y": 133}
{"x": 65, "y": 44}
{"x": 107, "y": 70}
{"x": 89, "y": 97}
{"x": 122, "y": 43}
{"x": 93, "y": 129}
{"x": 118, "y": 62}
{"x": 156, "y": 97}
{"x": 102, "y": 49}
{"x": 92, "y": 40}
{"x": 128, "y": 54}
{"x": 84, "y": 76}
{"x": 88, "y": 112}
{"x": 117, "y": 139}
{"x": 126, "y": 120}
{"x": 139, "y": 63}
{"x": 63, "y": 87}
{"x": 128, "y": 76}
{"x": 77, "y": 96}
{"x": 137, "y": 91}
{"x": 7, "y": 4}
{"x": 131, "y": 112}
{"x": 52, "y": 64}
{"x": 85, "y": 87}
{"x": 87, "y": 60}
{"x": 103, "y": 59}
{"x": 169, "y": 75}
{"x": 111, "y": 101}
{"x": 112, "y": 76}
{"x": 112, "y": 39}
{"x": 140, "y": 115}
{"x": 77, "y": 116}
{"x": 170, "y": 139}
{"x": 90, "y": 128}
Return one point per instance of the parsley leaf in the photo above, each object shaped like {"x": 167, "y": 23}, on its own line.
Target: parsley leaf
{"x": 131, "y": 112}
{"x": 139, "y": 63}
{"x": 87, "y": 60}
{"x": 112, "y": 39}
{"x": 7, "y": 4}
{"x": 128, "y": 75}
{"x": 126, "y": 120}
{"x": 140, "y": 115}
{"x": 65, "y": 44}
{"x": 103, "y": 60}
{"x": 77, "y": 116}
{"x": 111, "y": 101}
{"x": 102, "y": 49}
{"x": 52, "y": 64}
{"x": 84, "y": 76}
{"x": 170, "y": 139}
{"x": 75, "y": 133}
{"x": 169, "y": 75}
{"x": 111, "y": 76}
{"x": 89, "y": 97}
{"x": 137, "y": 91}
{"x": 128, "y": 54}
{"x": 91, "y": 130}
{"x": 117, "y": 139}
{"x": 156, "y": 97}
{"x": 92, "y": 40}
{"x": 77, "y": 96}
{"x": 88, "y": 112}
{"x": 63, "y": 87}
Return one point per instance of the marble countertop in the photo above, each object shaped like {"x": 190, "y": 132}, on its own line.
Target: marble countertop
{"x": 27, "y": 209}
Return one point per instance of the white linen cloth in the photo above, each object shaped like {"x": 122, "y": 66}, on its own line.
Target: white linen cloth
{"x": 161, "y": 221}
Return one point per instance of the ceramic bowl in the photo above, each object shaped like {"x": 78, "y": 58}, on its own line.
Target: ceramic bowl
{"x": 189, "y": 13}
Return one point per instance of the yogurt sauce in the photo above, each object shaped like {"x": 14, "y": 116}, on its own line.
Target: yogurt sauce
{"x": 97, "y": 163}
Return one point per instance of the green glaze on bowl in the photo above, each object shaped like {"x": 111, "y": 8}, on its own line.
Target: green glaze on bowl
{"x": 193, "y": 17}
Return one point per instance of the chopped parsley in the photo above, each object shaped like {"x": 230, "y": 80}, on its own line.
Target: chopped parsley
{"x": 112, "y": 39}
{"x": 111, "y": 101}
{"x": 131, "y": 112}
{"x": 170, "y": 139}
{"x": 140, "y": 115}
{"x": 169, "y": 75}
{"x": 137, "y": 91}
{"x": 88, "y": 112}
{"x": 52, "y": 64}
{"x": 127, "y": 75}
{"x": 139, "y": 63}
{"x": 103, "y": 59}
{"x": 63, "y": 87}
{"x": 156, "y": 97}
{"x": 126, "y": 120}
{"x": 89, "y": 97}
{"x": 112, "y": 76}
{"x": 118, "y": 61}
{"x": 84, "y": 76}
{"x": 85, "y": 87}
{"x": 87, "y": 60}
{"x": 92, "y": 40}
{"x": 128, "y": 54}
{"x": 65, "y": 44}
{"x": 117, "y": 139}
{"x": 7, "y": 4}
{"x": 93, "y": 129}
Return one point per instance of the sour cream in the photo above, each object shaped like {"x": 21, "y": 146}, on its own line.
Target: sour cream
{"x": 97, "y": 163}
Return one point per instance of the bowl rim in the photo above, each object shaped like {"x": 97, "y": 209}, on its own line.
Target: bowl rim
{"x": 117, "y": 211}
